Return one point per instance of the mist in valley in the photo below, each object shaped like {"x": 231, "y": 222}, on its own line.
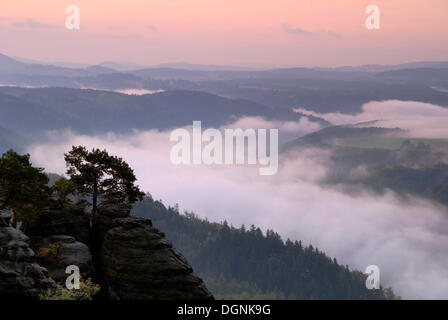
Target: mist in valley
{"x": 406, "y": 237}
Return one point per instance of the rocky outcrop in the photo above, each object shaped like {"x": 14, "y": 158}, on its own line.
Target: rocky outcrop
{"x": 106, "y": 214}
{"x": 61, "y": 219}
{"x": 138, "y": 262}
{"x": 127, "y": 256}
{"x": 3, "y": 222}
{"x": 58, "y": 252}
{"x": 60, "y": 236}
{"x": 20, "y": 275}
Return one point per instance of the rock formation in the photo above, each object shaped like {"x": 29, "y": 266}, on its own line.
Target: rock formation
{"x": 58, "y": 252}
{"x": 139, "y": 262}
{"x": 60, "y": 236}
{"x": 61, "y": 219}
{"x": 20, "y": 275}
{"x": 126, "y": 255}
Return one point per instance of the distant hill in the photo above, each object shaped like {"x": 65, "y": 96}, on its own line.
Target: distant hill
{"x": 380, "y": 159}
{"x": 326, "y": 136}
{"x": 122, "y": 65}
{"x": 383, "y": 68}
{"x": 323, "y": 90}
{"x": 429, "y": 76}
{"x": 63, "y": 64}
{"x": 429, "y": 182}
{"x": 12, "y": 140}
{"x": 202, "y": 67}
{"x": 11, "y": 66}
{"x": 32, "y": 110}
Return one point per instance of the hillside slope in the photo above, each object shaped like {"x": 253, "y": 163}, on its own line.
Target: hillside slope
{"x": 30, "y": 110}
{"x": 245, "y": 263}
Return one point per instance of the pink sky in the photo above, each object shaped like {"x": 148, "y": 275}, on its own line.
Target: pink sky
{"x": 226, "y": 31}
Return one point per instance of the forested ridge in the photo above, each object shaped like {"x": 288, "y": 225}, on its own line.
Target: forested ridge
{"x": 429, "y": 182}
{"x": 248, "y": 263}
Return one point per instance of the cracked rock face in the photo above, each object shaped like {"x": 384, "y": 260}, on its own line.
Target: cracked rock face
{"x": 20, "y": 275}
{"x": 134, "y": 261}
{"x": 139, "y": 262}
{"x": 61, "y": 219}
{"x": 60, "y": 237}
{"x": 68, "y": 252}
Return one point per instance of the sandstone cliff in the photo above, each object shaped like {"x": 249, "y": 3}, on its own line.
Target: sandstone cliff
{"x": 127, "y": 256}
{"x": 20, "y": 276}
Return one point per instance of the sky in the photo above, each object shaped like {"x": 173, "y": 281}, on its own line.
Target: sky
{"x": 249, "y": 32}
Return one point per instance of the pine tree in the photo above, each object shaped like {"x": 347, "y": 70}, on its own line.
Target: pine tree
{"x": 23, "y": 188}
{"x": 102, "y": 177}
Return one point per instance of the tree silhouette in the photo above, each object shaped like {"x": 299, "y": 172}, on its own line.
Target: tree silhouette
{"x": 102, "y": 176}
{"x": 23, "y": 188}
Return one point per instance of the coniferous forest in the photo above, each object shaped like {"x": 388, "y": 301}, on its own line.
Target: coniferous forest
{"x": 247, "y": 263}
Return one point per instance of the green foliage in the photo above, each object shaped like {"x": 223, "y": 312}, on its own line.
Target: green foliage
{"x": 49, "y": 253}
{"x": 390, "y": 295}
{"x": 233, "y": 289}
{"x": 52, "y": 177}
{"x": 62, "y": 188}
{"x": 23, "y": 188}
{"x": 87, "y": 291}
{"x": 247, "y": 263}
{"x": 430, "y": 181}
{"x": 97, "y": 174}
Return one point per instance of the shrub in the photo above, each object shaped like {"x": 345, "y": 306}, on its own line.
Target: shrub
{"x": 87, "y": 291}
{"x": 49, "y": 253}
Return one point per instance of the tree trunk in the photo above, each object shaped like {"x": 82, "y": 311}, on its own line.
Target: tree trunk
{"x": 94, "y": 200}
